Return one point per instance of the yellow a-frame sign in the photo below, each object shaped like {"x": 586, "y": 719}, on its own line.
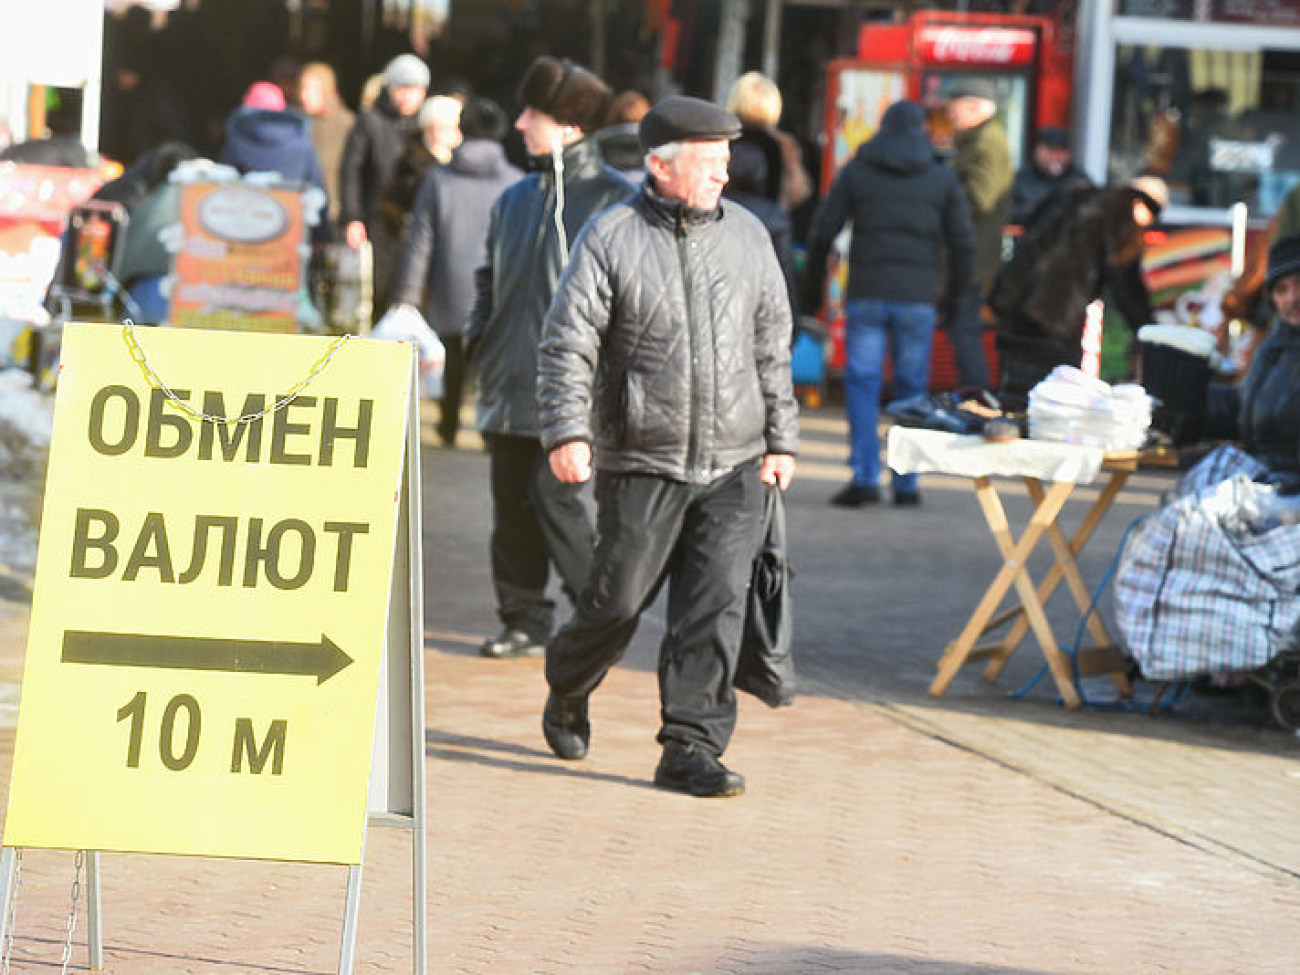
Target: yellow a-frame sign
{"x": 229, "y": 559}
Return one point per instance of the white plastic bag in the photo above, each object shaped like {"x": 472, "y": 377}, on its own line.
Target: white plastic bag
{"x": 1071, "y": 407}
{"x": 404, "y": 323}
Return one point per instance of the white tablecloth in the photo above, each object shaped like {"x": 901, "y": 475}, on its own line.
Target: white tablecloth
{"x": 916, "y": 451}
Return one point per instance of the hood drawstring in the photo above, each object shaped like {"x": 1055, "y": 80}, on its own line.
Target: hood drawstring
{"x": 557, "y": 163}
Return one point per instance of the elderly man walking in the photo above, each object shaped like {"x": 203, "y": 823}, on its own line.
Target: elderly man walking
{"x": 666, "y": 352}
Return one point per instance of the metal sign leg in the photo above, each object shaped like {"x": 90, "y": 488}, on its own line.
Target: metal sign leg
{"x": 94, "y": 919}
{"x": 351, "y": 913}
{"x": 8, "y": 868}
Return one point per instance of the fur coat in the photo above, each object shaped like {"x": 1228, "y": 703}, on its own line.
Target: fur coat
{"x": 1082, "y": 244}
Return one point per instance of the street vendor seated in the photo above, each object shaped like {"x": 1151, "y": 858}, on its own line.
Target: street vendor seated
{"x": 1208, "y": 584}
{"x": 1269, "y": 419}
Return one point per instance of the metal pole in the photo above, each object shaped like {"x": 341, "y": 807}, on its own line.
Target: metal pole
{"x": 596, "y": 14}
{"x": 351, "y": 914}
{"x": 731, "y": 46}
{"x": 415, "y": 543}
{"x": 8, "y": 865}
{"x": 94, "y": 915}
{"x": 772, "y": 39}
{"x": 1095, "y": 77}
{"x": 92, "y": 91}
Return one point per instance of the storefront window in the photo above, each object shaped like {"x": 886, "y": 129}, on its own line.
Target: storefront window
{"x": 1261, "y": 13}
{"x": 1221, "y": 126}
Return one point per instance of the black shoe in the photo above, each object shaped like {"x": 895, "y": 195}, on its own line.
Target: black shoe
{"x": 907, "y": 499}
{"x": 512, "y": 643}
{"x": 689, "y": 768}
{"x": 565, "y": 726}
{"x": 855, "y": 496}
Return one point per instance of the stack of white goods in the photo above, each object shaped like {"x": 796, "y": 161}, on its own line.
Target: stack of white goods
{"x": 1071, "y": 407}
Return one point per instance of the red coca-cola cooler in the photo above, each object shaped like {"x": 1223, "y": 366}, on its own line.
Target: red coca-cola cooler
{"x": 1028, "y": 61}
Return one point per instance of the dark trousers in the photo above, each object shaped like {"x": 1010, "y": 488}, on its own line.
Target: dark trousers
{"x": 453, "y": 388}
{"x": 537, "y": 522}
{"x": 702, "y": 540}
{"x": 966, "y": 332}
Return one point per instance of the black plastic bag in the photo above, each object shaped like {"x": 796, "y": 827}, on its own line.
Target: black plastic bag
{"x": 766, "y": 665}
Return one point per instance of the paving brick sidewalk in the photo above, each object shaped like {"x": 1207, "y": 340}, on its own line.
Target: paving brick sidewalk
{"x": 947, "y": 836}
{"x": 861, "y": 846}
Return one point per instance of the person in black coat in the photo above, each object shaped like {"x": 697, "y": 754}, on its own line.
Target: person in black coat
{"x": 1049, "y": 169}
{"x": 749, "y": 184}
{"x": 369, "y": 157}
{"x": 539, "y": 524}
{"x": 906, "y": 209}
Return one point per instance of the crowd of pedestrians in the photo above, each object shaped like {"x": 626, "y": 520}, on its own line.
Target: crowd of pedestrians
{"x": 625, "y": 306}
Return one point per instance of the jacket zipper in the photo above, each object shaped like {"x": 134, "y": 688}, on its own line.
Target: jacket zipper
{"x": 693, "y": 439}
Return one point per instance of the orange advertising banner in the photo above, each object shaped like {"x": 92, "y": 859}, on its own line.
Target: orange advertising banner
{"x": 240, "y": 266}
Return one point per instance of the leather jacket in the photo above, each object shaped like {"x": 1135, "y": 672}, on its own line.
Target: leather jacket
{"x": 513, "y": 288}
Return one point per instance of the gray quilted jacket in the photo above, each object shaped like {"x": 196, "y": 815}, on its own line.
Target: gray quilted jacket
{"x": 667, "y": 345}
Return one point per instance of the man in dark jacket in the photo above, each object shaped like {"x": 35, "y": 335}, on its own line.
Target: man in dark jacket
{"x": 1050, "y": 167}
{"x": 369, "y": 156}
{"x": 905, "y": 208}
{"x": 537, "y": 521}
{"x": 445, "y": 239}
{"x": 982, "y": 161}
{"x": 667, "y": 351}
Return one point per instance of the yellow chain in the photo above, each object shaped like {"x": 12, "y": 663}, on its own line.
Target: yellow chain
{"x": 142, "y": 360}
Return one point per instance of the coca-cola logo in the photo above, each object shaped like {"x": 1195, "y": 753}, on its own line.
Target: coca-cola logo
{"x": 988, "y": 45}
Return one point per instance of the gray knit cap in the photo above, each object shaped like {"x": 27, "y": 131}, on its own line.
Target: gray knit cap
{"x": 406, "y": 71}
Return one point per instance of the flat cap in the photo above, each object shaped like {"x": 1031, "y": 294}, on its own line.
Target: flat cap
{"x": 974, "y": 88}
{"x": 683, "y": 119}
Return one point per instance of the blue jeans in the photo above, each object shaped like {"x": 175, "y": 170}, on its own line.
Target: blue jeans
{"x": 907, "y": 327}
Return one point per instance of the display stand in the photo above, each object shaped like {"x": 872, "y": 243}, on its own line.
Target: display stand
{"x": 1064, "y": 465}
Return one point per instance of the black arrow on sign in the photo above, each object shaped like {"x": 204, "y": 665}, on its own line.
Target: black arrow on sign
{"x": 320, "y": 660}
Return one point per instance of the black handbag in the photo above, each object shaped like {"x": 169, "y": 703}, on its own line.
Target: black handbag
{"x": 766, "y": 664}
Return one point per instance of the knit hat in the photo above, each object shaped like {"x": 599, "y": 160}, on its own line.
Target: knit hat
{"x": 1283, "y": 259}
{"x": 903, "y": 116}
{"x": 570, "y": 94}
{"x": 264, "y": 95}
{"x": 406, "y": 71}
{"x": 683, "y": 119}
{"x": 1053, "y": 137}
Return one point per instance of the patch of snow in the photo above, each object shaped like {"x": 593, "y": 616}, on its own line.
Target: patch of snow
{"x": 26, "y": 407}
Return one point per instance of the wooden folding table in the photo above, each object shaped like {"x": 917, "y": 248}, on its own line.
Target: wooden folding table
{"x": 1034, "y": 462}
